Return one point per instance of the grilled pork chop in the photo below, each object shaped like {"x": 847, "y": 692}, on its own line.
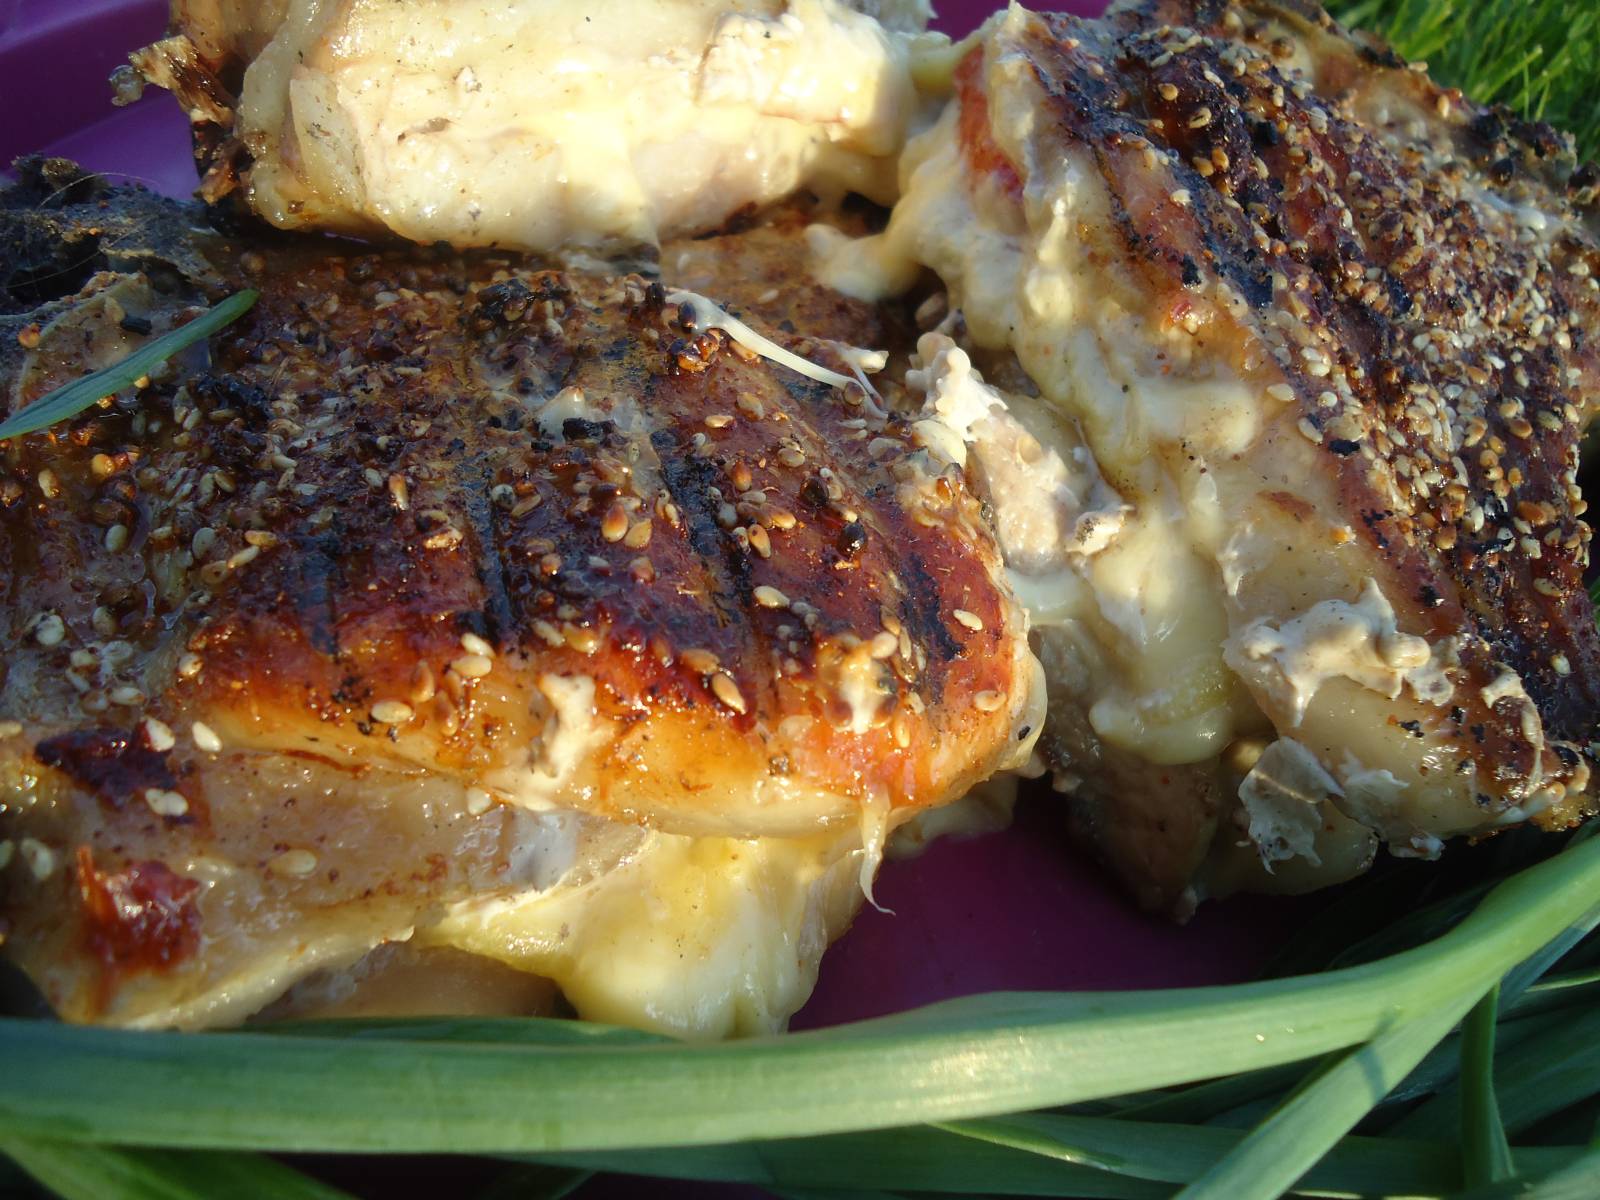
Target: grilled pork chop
{"x": 476, "y": 606}
{"x": 1320, "y": 335}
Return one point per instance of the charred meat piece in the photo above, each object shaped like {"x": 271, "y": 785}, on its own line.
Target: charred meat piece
{"x": 1325, "y": 332}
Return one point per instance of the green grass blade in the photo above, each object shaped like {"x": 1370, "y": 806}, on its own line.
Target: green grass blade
{"x": 502, "y": 1031}
{"x": 916, "y": 1159}
{"x": 1044, "y": 1155}
{"x": 76, "y": 1171}
{"x": 1543, "y": 1075}
{"x": 1206, "y": 1100}
{"x": 1273, "y": 1156}
{"x": 536, "y": 1181}
{"x": 71, "y": 399}
{"x": 1486, "y": 1155}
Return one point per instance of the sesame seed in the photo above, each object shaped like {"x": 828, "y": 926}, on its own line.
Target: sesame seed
{"x": 262, "y": 538}
{"x": 472, "y": 666}
{"x": 614, "y": 525}
{"x": 49, "y": 484}
{"x": 726, "y": 690}
{"x": 392, "y": 712}
{"x": 719, "y": 420}
{"x": 40, "y": 858}
{"x": 243, "y": 557}
{"x": 447, "y": 538}
{"x": 971, "y": 620}
{"x": 293, "y": 864}
{"x": 473, "y": 644}
{"x": 158, "y": 735}
{"x": 770, "y": 597}
{"x": 1180, "y": 197}
{"x": 1168, "y": 91}
{"x": 127, "y": 696}
{"x": 165, "y": 803}
{"x": 883, "y": 645}
{"x": 988, "y": 701}
{"x": 1310, "y": 431}
{"x": 1560, "y": 664}
{"x": 189, "y": 665}
{"x": 117, "y": 538}
{"x": 759, "y": 541}
{"x": 399, "y": 492}
{"x": 1281, "y": 392}
{"x": 49, "y": 630}
{"x": 205, "y": 738}
{"x": 701, "y": 662}
{"x": 1545, "y": 587}
{"x": 478, "y": 801}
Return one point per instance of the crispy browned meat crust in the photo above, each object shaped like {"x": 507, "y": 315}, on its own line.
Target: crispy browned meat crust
{"x": 395, "y": 452}
{"x": 1422, "y": 272}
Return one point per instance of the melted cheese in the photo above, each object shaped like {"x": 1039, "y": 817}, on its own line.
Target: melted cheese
{"x": 540, "y": 123}
{"x": 694, "y": 937}
{"x": 572, "y": 732}
{"x": 1337, "y": 639}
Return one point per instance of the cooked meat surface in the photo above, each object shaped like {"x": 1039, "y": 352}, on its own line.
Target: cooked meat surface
{"x": 1326, "y": 330}
{"x": 537, "y": 124}
{"x": 453, "y": 587}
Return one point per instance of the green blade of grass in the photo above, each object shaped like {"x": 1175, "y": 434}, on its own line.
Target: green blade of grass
{"x": 969, "y": 1058}
{"x": 1486, "y": 1155}
{"x": 1043, "y": 1154}
{"x": 1541, "y": 1076}
{"x": 77, "y": 1171}
{"x": 71, "y": 399}
{"x": 1274, "y": 1155}
{"x": 536, "y": 1181}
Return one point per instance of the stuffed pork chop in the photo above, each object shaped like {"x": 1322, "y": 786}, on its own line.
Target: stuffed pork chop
{"x": 1307, "y": 341}
{"x": 466, "y": 622}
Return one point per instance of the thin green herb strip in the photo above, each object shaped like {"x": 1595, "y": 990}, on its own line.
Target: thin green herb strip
{"x": 71, "y": 399}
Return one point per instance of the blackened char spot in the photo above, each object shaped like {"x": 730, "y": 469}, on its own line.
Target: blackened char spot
{"x": 923, "y": 615}
{"x": 576, "y": 429}
{"x": 689, "y": 480}
{"x": 500, "y": 616}
{"x": 114, "y": 764}
{"x": 318, "y": 568}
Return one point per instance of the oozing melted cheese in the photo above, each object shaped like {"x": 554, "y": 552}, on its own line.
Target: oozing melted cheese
{"x": 694, "y": 937}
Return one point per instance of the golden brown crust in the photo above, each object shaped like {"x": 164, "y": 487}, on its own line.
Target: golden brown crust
{"x": 411, "y": 491}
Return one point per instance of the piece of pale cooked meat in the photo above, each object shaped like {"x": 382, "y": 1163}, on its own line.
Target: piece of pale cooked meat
{"x": 482, "y": 605}
{"x": 1328, "y": 331}
{"x": 537, "y": 124}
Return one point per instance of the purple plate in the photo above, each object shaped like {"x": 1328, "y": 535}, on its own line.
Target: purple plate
{"x": 1012, "y": 911}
